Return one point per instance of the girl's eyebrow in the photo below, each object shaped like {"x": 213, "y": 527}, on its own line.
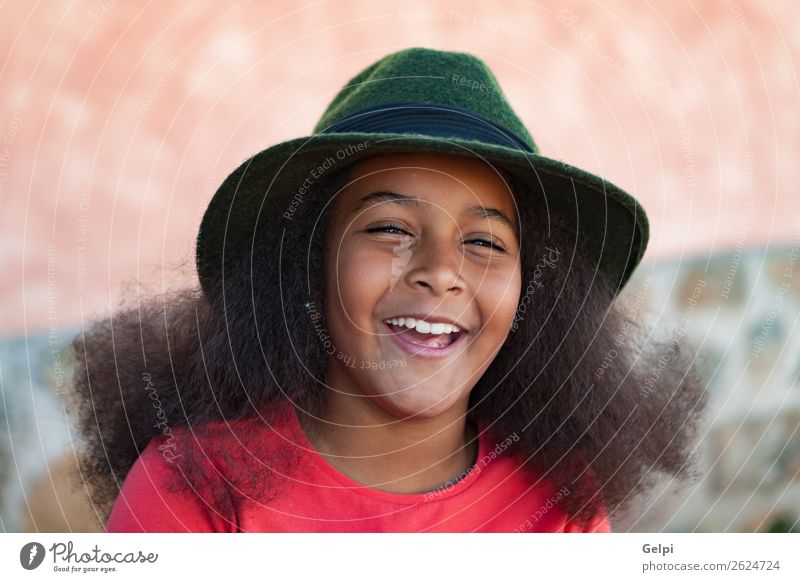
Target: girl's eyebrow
{"x": 380, "y": 196}
{"x": 396, "y": 198}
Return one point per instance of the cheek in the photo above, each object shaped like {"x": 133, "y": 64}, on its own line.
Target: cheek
{"x": 500, "y": 298}
{"x": 358, "y": 279}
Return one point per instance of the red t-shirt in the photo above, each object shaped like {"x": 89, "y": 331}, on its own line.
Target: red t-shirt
{"x": 493, "y": 496}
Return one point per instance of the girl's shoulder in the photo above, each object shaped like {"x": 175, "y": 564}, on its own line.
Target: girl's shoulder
{"x": 181, "y": 478}
{"x": 221, "y": 442}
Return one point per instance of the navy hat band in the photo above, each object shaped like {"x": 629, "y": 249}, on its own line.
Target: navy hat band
{"x": 427, "y": 119}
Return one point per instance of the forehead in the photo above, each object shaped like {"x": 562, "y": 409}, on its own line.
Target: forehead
{"x": 443, "y": 179}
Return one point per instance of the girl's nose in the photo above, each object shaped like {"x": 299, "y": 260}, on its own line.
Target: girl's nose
{"x": 436, "y": 266}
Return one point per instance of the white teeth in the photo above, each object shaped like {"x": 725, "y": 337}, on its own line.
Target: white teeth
{"x": 438, "y": 328}
{"x": 423, "y": 326}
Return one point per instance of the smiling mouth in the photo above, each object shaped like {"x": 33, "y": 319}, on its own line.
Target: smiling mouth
{"x": 426, "y": 340}
{"x": 424, "y": 345}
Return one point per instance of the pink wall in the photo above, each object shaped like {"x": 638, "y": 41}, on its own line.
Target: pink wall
{"x": 118, "y": 122}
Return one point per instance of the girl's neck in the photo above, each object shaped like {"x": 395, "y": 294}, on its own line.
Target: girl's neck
{"x": 374, "y": 448}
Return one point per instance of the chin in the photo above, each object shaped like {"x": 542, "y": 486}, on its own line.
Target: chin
{"x": 419, "y": 402}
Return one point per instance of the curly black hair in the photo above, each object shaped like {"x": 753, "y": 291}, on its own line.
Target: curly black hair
{"x": 573, "y": 380}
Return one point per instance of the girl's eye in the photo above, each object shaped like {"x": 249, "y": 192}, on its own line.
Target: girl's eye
{"x": 399, "y": 230}
{"x": 387, "y": 228}
{"x": 490, "y": 243}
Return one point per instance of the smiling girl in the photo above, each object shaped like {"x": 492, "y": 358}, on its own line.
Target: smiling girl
{"x": 400, "y": 336}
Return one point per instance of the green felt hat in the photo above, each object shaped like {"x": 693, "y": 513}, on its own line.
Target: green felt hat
{"x": 422, "y": 100}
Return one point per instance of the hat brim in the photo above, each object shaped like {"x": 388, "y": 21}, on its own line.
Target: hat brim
{"x": 612, "y": 223}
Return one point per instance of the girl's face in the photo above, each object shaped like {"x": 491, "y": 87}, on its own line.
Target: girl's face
{"x": 429, "y": 237}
